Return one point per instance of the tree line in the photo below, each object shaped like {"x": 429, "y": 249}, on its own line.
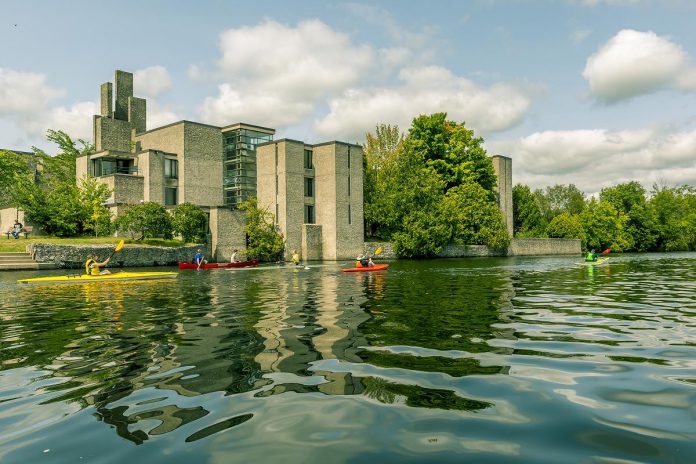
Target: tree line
{"x": 430, "y": 187}
{"x": 625, "y": 217}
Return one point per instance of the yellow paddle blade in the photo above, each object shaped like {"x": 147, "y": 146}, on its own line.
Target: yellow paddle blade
{"x": 378, "y": 251}
{"x": 119, "y": 246}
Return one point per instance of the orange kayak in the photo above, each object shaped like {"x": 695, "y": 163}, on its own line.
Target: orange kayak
{"x": 376, "y": 267}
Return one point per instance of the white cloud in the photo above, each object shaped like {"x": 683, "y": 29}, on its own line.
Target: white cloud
{"x": 24, "y": 93}
{"x": 305, "y": 61}
{"x": 151, "y": 81}
{"x": 592, "y": 159}
{"x": 158, "y": 116}
{"x": 75, "y": 120}
{"x": 634, "y": 63}
{"x": 425, "y": 90}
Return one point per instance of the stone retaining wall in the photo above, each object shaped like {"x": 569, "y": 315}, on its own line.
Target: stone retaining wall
{"x": 74, "y": 256}
{"x": 518, "y": 247}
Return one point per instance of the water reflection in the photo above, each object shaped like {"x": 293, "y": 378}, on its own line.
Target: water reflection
{"x": 456, "y": 353}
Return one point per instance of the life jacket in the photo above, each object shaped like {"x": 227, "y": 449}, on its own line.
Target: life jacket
{"x": 87, "y": 263}
{"x": 590, "y": 257}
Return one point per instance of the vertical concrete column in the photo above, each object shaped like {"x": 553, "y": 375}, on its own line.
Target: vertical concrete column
{"x": 107, "y": 99}
{"x": 503, "y": 171}
{"x": 124, "y": 89}
{"x": 137, "y": 111}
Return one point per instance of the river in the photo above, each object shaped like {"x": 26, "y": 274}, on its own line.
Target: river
{"x": 476, "y": 360}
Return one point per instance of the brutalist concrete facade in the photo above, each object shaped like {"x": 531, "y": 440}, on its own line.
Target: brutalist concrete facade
{"x": 502, "y": 165}
{"x": 326, "y": 191}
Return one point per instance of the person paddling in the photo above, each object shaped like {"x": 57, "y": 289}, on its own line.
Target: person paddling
{"x": 295, "y": 258}
{"x": 591, "y": 256}
{"x": 93, "y": 267}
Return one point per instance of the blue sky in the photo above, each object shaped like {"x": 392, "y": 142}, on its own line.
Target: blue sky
{"x": 590, "y": 92}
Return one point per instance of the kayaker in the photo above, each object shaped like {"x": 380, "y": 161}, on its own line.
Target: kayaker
{"x": 591, "y": 256}
{"x": 93, "y": 267}
{"x": 295, "y": 258}
{"x": 234, "y": 256}
{"x": 198, "y": 258}
{"x": 363, "y": 261}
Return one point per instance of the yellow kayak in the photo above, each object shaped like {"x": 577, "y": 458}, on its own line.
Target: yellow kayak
{"x": 115, "y": 277}
{"x": 593, "y": 263}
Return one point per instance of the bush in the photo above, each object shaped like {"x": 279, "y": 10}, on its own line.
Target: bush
{"x": 264, "y": 242}
{"x": 148, "y": 220}
{"x": 189, "y": 221}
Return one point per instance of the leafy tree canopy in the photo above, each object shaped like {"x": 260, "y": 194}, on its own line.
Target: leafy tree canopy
{"x": 264, "y": 242}
{"x": 189, "y": 221}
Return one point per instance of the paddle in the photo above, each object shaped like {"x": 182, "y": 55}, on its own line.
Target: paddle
{"x": 118, "y": 248}
{"x": 378, "y": 251}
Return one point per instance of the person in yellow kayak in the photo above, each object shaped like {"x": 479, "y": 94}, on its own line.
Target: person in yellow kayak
{"x": 295, "y": 258}
{"x": 94, "y": 267}
{"x": 591, "y": 256}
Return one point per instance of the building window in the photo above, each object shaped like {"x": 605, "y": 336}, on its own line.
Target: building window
{"x": 349, "y": 216}
{"x": 308, "y": 187}
{"x": 171, "y": 168}
{"x": 348, "y": 159}
{"x": 309, "y": 214}
{"x": 308, "y": 162}
{"x": 348, "y": 185}
{"x": 170, "y": 196}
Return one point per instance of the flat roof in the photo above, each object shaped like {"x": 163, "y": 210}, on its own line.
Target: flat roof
{"x": 337, "y": 142}
{"x": 243, "y": 125}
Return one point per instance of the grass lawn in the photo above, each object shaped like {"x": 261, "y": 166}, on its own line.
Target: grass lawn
{"x": 11, "y": 244}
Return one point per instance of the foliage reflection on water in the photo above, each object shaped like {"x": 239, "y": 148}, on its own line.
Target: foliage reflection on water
{"x": 459, "y": 356}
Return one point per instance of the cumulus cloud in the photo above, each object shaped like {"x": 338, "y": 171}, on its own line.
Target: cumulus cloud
{"x": 593, "y": 159}
{"x": 635, "y": 63}
{"x": 276, "y": 73}
{"x": 24, "y": 93}
{"x": 25, "y": 101}
{"x": 151, "y": 81}
{"x": 425, "y": 90}
{"x": 75, "y": 120}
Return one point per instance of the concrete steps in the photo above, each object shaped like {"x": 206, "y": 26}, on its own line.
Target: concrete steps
{"x": 21, "y": 262}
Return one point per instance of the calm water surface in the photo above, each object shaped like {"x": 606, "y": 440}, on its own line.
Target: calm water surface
{"x": 481, "y": 360}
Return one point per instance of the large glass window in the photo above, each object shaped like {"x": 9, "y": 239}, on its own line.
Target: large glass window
{"x": 109, "y": 166}
{"x": 240, "y": 164}
{"x": 308, "y": 161}
{"x": 170, "y": 196}
{"x": 171, "y": 168}
{"x": 309, "y": 214}
{"x": 308, "y": 186}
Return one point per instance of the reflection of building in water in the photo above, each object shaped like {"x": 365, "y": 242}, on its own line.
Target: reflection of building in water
{"x": 309, "y": 323}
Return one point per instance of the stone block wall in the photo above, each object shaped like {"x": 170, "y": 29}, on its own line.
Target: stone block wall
{"x": 227, "y": 228}
{"x": 111, "y": 134}
{"x": 518, "y": 247}
{"x": 74, "y": 257}
{"x": 544, "y": 246}
{"x": 311, "y": 242}
{"x": 201, "y": 165}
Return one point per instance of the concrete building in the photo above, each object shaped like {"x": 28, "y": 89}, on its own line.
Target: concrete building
{"x": 318, "y": 209}
{"x": 502, "y": 165}
{"x": 316, "y": 194}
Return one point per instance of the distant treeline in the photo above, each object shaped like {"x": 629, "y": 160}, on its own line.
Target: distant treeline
{"x": 626, "y": 217}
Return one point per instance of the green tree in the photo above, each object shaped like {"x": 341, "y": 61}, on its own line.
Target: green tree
{"x": 675, "y": 212}
{"x": 528, "y": 220}
{"x": 381, "y": 152}
{"x": 566, "y": 225}
{"x": 565, "y": 199}
{"x": 92, "y": 196}
{"x": 451, "y": 150}
{"x": 146, "y": 220}
{"x": 630, "y": 198}
{"x": 16, "y": 169}
{"x": 474, "y": 219}
{"x": 264, "y": 242}
{"x": 189, "y": 221}
{"x": 604, "y": 227}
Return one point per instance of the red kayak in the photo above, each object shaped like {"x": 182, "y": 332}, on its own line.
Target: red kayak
{"x": 376, "y": 267}
{"x": 217, "y": 265}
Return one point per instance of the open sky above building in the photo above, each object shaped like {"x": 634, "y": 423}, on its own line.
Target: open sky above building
{"x": 590, "y": 92}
